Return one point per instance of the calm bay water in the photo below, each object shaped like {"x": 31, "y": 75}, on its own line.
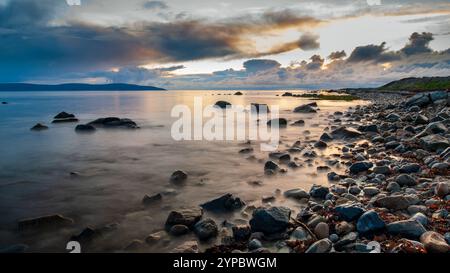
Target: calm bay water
{"x": 116, "y": 168}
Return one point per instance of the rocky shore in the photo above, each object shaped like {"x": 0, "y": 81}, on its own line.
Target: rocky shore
{"x": 393, "y": 197}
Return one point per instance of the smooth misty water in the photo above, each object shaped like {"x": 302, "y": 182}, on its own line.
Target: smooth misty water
{"x": 118, "y": 167}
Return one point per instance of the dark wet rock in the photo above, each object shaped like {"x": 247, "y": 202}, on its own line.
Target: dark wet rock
{"x": 150, "y": 200}
{"x": 238, "y": 93}
{"x": 39, "y": 127}
{"x": 50, "y": 221}
{"x": 309, "y": 153}
{"x": 246, "y": 151}
{"x": 241, "y": 232}
{"x": 206, "y": 229}
{"x": 260, "y": 108}
{"x": 179, "y": 230}
{"x": 391, "y": 145}
{"x": 326, "y": 137}
{"x": 296, "y": 194}
{"x": 305, "y": 109}
{"x": 345, "y": 240}
{"x": 421, "y": 119}
{"x": 187, "y": 217}
{"x": 89, "y": 234}
{"x": 114, "y": 122}
{"x": 318, "y": 191}
{"x": 222, "y": 104}
{"x": 270, "y": 165}
{"x": 254, "y": 244}
{"x": 4, "y": 102}
{"x": 381, "y": 170}
{"x": 283, "y": 157}
{"x": 300, "y": 122}
{"x": 279, "y": 122}
{"x": 393, "y": 187}
{"x": 435, "y": 142}
{"x": 405, "y": 180}
{"x": 64, "y": 117}
{"x": 358, "y": 167}
{"x": 225, "y": 203}
{"x": 271, "y": 220}
{"x": 85, "y": 128}
{"x": 345, "y": 132}
{"x": 320, "y": 144}
{"x": 396, "y": 202}
{"x": 370, "y": 222}
{"x": 349, "y": 212}
{"x": 410, "y": 168}
{"x": 442, "y": 189}
{"x": 368, "y": 128}
{"x": 14, "y": 249}
{"x": 321, "y": 246}
{"x": 178, "y": 176}
{"x": 287, "y": 94}
{"x": 393, "y": 117}
{"x": 424, "y": 99}
{"x": 434, "y": 242}
{"x": 408, "y": 228}
{"x": 293, "y": 165}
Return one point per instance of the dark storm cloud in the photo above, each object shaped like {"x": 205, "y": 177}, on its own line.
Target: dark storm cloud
{"x": 337, "y": 55}
{"x": 155, "y": 5}
{"x": 31, "y": 46}
{"x": 418, "y": 43}
{"x": 309, "y": 41}
{"x": 28, "y": 13}
{"x": 372, "y": 53}
{"x": 255, "y": 66}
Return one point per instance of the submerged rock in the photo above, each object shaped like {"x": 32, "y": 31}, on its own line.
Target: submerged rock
{"x": 260, "y": 108}
{"x": 225, "y": 203}
{"x": 187, "y": 217}
{"x": 50, "y": 221}
{"x": 85, "y": 128}
{"x": 307, "y": 108}
{"x": 222, "y": 104}
{"x": 206, "y": 229}
{"x": 344, "y": 132}
{"x": 114, "y": 122}
{"x": 150, "y": 200}
{"x": 279, "y": 122}
{"x": 64, "y": 117}
{"x": 39, "y": 127}
{"x": 179, "y": 176}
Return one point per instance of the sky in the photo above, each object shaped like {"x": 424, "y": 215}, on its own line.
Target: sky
{"x": 225, "y": 44}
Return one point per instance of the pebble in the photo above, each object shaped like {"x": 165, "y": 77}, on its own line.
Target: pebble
{"x": 322, "y": 230}
{"x": 434, "y": 242}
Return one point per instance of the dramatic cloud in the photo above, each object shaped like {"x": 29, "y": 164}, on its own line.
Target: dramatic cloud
{"x": 254, "y": 66}
{"x": 337, "y": 55}
{"x": 372, "y": 53}
{"x": 418, "y": 43}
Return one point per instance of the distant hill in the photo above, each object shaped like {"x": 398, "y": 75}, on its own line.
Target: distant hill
{"x": 418, "y": 84}
{"x": 75, "y": 87}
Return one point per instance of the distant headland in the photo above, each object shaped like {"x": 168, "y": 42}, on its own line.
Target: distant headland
{"x": 76, "y": 87}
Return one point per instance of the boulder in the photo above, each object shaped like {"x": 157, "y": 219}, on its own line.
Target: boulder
{"x": 318, "y": 191}
{"x": 370, "y": 222}
{"x": 410, "y": 168}
{"x": 187, "y": 217}
{"x": 85, "y": 128}
{"x": 260, "y": 108}
{"x": 408, "y": 228}
{"x": 39, "y": 127}
{"x": 179, "y": 176}
{"x": 279, "y": 122}
{"x": 349, "y": 212}
{"x": 434, "y": 142}
{"x": 271, "y": 220}
{"x": 396, "y": 202}
{"x": 362, "y": 166}
{"x": 64, "y": 117}
{"x": 225, "y": 203}
{"x": 305, "y": 109}
{"x": 114, "y": 122}
{"x": 296, "y": 194}
{"x": 222, "y": 104}
{"x": 150, "y": 200}
{"x": 206, "y": 229}
{"x": 270, "y": 165}
{"x": 434, "y": 242}
{"x": 405, "y": 180}
{"x": 344, "y": 132}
